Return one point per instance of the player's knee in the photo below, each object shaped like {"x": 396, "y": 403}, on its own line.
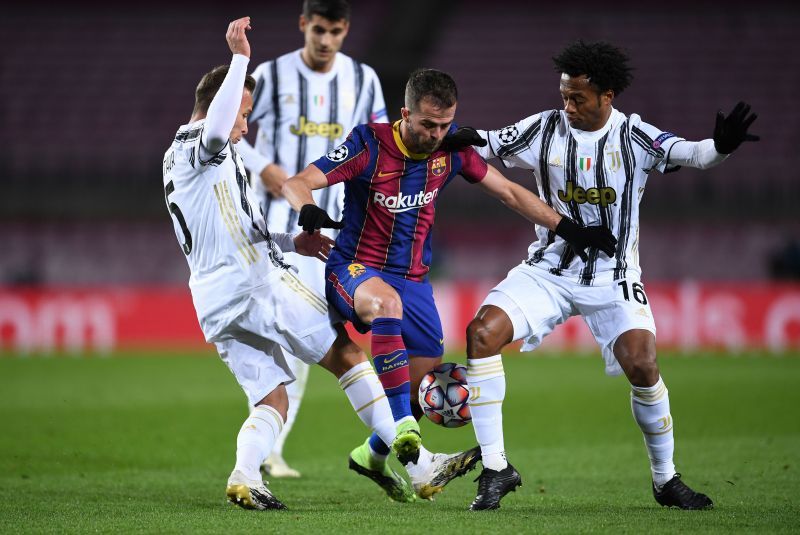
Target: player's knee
{"x": 642, "y": 369}
{"x": 481, "y": 341}
{"x": 387, "y": 306}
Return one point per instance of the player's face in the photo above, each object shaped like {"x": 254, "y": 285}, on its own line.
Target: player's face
{"x": 586, "y": 107}
{"x": 240, "y": 126}
{"x": 324, "y": 39}
{"x": 426, "y": 126}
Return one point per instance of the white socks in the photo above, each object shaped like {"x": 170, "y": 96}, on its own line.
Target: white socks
{"x": 294, "y": 391}
{"x": 366, "y": 395}
{"x": 255, "y": 440}
{"x": 650, "y": 407}
{"x": 487, "y": 388}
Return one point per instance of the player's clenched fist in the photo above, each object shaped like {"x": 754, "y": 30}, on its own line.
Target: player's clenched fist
{"x": 237, "y": 40}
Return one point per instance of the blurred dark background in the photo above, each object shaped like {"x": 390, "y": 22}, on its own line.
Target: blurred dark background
{"x": 90, "y": 100}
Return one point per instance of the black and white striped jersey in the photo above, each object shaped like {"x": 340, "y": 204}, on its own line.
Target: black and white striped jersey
{"x": 594, "y": 178}
{"x": 302, "y": 115}
{"x": 217, "y": 223}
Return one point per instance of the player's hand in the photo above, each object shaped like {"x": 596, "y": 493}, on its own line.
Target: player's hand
{"x": 273, "y": 177}
{"x": 316, "y": 245}
{"x": 463, "y": 137}
{"x": 237, "y": 40}
{"x": 731, "y": 131}
{"x": 579, "y": 238}
{"x": 312, "y": 217}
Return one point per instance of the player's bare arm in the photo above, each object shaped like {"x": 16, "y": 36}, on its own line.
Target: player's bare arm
{"x": 297, "y": 191}
{"x": 519, "y": 199}
{"x": 528, "y": 205}
{"x": 273, "y": 177}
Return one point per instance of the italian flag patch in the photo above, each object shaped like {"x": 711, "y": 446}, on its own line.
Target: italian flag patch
{"x": 584, "y": 163}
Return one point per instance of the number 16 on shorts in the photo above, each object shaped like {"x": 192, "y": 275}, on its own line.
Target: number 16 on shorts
{"x": 636, "y": 290}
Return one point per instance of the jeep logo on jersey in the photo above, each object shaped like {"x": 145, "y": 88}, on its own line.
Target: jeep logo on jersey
{"x": 338, "y": 154}
{"x": 310, "y": 128}
{"x": 403, "y": 203}
{"x": 601, "y": 196}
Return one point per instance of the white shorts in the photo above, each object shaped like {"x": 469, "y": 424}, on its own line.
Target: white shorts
{"x": 536, "y": 301}
{"x": 283, "y": 319}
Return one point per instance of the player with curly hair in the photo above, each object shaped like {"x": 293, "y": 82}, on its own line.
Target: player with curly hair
{"x": 591, "y": 163}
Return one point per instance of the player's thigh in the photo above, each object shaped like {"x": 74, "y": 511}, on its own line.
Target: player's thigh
{"x": 611, "y": 310}
{"x": 259, "y": 366}
{"x": 341, "y": 283}
{"x": 421, "y": 325}
{"x": 533, "y": 301}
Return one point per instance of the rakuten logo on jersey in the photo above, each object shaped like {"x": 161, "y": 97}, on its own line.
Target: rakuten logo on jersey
{"x": 403, "y": 203}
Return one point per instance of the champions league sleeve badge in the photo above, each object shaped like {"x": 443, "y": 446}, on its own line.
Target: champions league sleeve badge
{"x": 509, "y": 134}
{"x": 338, "y": 154}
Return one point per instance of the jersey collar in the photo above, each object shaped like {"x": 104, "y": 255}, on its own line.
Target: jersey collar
{"x": 400, "y": 145}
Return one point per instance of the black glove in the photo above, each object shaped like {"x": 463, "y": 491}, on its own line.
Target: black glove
{"x": 463, "y": 137}
{"x": 731, "y": 131}
{"x": 312, "y": 217}
{"x": 579, "y": 238}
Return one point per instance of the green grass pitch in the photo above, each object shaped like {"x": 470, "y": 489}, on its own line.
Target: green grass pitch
{"x": 145, "y": 444}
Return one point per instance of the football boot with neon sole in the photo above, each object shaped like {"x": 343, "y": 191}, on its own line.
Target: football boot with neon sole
{"x": 493, "y": 485}
{"x": 675, "y": 493}
{"x": 442, "y": 469}
{"x": 407, "y": 442}
{"x": 362, "y": 462}
{"x": 250, "y": 494}
{"x": 275, "y": 466}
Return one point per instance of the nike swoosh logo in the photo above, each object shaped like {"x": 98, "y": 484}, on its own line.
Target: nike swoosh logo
{"x": 394, "y": 358}
{"x": 381, "y": 174}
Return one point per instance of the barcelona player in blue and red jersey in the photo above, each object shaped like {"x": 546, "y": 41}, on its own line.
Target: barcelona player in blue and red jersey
{"x": 377, "y": 273}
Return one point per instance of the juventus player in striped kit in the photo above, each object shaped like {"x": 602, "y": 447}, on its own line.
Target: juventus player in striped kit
{"x": 251, "y": 305}
{"x": 591, "y": 163}
{"x": 305, "y": 102}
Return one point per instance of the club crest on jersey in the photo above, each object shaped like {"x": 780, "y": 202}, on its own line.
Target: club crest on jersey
{"x": 356, "y": 270}
{"x": 584, "y": 163}
{"x": 509, "y": 134}
{"x": 614, "y": 160}
{"x": 439, "y": 165}
{"x": 339, "y": 154}
{"x": 661, "y": 139}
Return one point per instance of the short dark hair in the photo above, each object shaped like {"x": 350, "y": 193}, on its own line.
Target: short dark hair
{"x": 435, "y": 85}
{"x": 210, "y": 84}
{"x": 328, "y": 9}
{"x": 605, "y": 65}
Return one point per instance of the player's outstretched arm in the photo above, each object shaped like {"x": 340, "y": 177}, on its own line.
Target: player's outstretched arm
{"x": 521, "y": 200}
{"x": 528, "y": 205}
{"x": 225, "y": 106}
{"x": 729, "y": 132}
{"x": 297, "y": 191}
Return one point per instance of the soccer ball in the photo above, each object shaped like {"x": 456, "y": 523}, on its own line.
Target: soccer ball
{"x": 444, "y": 395}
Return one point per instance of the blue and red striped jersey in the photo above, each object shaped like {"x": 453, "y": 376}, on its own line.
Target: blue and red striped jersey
{"x": 390, "y": 197}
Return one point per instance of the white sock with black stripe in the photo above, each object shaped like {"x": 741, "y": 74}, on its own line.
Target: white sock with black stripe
{"x": 487, "y": 388}
{"x": 650, "y": 406}
{"x": 366, "y": 395}
{"x": 256, "y": 439}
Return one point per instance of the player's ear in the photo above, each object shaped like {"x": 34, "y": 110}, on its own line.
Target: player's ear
{"x": 302, "y": 23}
{"x": 404, "y": 113}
